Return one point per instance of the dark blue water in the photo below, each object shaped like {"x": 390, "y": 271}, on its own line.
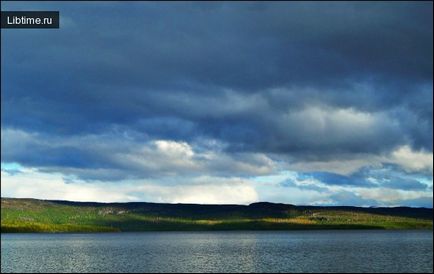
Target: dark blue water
{"x": 293, "y": 251}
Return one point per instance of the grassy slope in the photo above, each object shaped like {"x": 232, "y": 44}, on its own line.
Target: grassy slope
{"x": 29, "y": 215}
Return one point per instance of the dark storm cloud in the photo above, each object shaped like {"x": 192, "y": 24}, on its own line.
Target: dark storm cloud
{"x": 309, "y": 80}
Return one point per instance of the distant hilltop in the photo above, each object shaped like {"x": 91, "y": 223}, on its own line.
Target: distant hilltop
{"x": 32, "y": 215}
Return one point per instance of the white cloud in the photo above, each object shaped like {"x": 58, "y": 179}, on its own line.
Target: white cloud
{"x": 322, "y": 126}
{"x": 238, "y": 193}
{"x": 125, "y": 157}
{"x": 403, "y": 156}
{"x": 391, "y": 197}
{"x": 30, "y": 183}
{"x": 180, "y": 166}
{"x": 174, "y": 149}
{"x": 343, "y": 167}
{"x": 412, "y": 160}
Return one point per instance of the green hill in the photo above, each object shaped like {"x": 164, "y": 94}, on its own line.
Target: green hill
{"x": 31, "y": 215}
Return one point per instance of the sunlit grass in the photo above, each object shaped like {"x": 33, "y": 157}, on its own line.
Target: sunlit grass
{"x": 40, "y": 216}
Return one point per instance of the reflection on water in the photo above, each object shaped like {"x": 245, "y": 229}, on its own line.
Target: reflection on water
{"x": 292, "y": 251}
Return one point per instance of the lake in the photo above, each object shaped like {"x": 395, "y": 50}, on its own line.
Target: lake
{"x": 289, "y": 251}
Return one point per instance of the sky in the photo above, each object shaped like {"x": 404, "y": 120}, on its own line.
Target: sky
{"x": 325, "y": 103}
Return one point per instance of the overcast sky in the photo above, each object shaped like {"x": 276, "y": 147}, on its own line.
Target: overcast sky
{"x": 302, "y": 103}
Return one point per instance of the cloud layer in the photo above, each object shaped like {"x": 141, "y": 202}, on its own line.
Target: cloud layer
{"x": 340, "y": 93}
